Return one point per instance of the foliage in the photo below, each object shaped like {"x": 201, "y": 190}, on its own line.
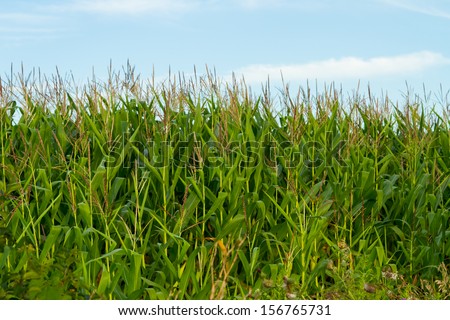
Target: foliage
{"x": 194, "y": 189}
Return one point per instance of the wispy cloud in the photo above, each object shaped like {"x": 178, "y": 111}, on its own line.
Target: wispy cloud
{"x": 140, "y": 7}
{"x": 253, "y": 4}
{"x": 430, "y": 7}
{"x": 303, "y": 5}
{"x": 24, "y": 18}
{"x": 130, "y": 6}
{"x": 17, "y": 28}
{"x": 347, "y": 68}
{"x": 26, "y": 30}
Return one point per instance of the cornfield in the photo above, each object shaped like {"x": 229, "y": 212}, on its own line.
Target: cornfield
{"x": 198, "y": 189}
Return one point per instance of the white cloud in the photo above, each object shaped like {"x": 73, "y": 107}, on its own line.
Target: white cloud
{"x": 131, "y": 6}
{"x": 253, "y": 4}
{"x": 26, "y": 30}
{"x": 18, "y": 28}
{"x": 136, "y": 7}
{"x": 430, "y": 7}
{"x": 303, "y": 5}
{"x": 24, "y": 18}
{"x": 346, "y": 68}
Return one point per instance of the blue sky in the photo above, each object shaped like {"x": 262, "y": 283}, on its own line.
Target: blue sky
{"x": 384, "y": 43}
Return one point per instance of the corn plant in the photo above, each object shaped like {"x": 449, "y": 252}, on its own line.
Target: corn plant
{"x": 197, "y": 189}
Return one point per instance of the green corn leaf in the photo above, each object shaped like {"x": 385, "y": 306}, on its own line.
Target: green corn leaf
{"x": 50, "y": 241}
